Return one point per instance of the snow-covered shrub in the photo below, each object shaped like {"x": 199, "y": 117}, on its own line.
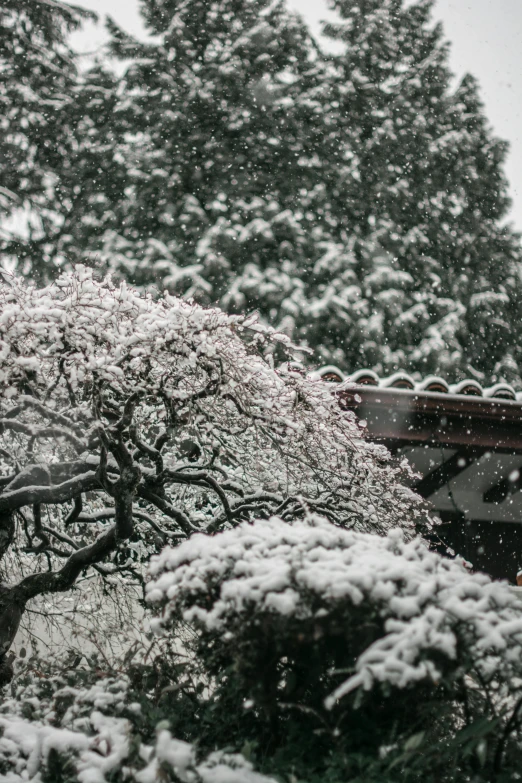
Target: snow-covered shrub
{"x": 127, "y": 421}
{"x": 310, "y": 652}
{"x": 346, "y": 652}
{"x": 74, "y": 726}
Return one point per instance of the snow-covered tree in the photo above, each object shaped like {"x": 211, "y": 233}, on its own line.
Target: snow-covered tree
{"x": 37, "y": 112}
{"x": 355, "y": 200}
{"x": 217, "y": 123}
{"x": 128, "y": 421}
{"x": 420, "y": 174}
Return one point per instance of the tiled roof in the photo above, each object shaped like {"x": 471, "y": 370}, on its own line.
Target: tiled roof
{"x": 401, "y": 380}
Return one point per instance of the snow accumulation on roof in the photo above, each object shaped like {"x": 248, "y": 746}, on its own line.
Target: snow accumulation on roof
{"x": 399, "y": 408}
{"x": 403, "y": 381}
{"x": 463, "y": 440}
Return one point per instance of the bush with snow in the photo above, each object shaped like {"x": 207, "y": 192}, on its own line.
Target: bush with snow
{"x": 345, "y": 648}
{"x": 311, "y": 653}
{"x": 73, "y": 727}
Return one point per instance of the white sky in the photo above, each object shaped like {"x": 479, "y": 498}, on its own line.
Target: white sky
{"x": 486, "y": 37}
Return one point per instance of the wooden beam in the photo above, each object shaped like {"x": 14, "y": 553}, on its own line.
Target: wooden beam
{"x": 395, "y": 446}
{"x": 449, "y": 420}
{"x": 449, "y": 470}
{"x": 505, "y": 487}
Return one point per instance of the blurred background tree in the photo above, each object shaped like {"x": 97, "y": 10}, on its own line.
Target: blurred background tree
{"x": 354, "y": 197}
{"x": 37, "y": 111}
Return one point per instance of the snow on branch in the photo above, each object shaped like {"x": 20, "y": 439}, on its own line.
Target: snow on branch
{"x": 126, "y": 420}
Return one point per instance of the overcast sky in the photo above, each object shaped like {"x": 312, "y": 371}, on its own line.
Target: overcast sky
{"x": 486, "y": 37}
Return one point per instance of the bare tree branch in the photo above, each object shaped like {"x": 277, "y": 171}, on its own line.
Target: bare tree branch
{"x": 166, "y": 508}
{"x": 59, "y": 493}
{"x": 58, "y": 581}
{"x": 43, "y": 432}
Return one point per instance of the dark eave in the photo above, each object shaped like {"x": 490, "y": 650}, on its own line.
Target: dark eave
{"x": 447, "y": 471}
{"x": 507, "y": 486}
{"x": 404, "y": 417}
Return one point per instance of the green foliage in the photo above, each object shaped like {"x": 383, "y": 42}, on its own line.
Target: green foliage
{"x": 37, "y": 110}
{"x": 355, "y": 199}
{"x": 273, "y": 716}
{"x": 301, "y": 650}
{"x": 335, "y": 656}
{"x": 424, "y": 176}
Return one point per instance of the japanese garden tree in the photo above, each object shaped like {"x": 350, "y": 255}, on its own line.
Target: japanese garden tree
{"x": 128, "y": 421}
{"x": 297, "y": 625}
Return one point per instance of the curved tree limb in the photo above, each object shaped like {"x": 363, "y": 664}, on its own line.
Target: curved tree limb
{"x": 43, "y": 432}
{"x": 58, "y": 493}
{"x": 165, "y": 507}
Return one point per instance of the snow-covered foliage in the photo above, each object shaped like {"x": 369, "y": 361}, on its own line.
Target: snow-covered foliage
{"x": 57, "y": 729}
{"x": 355, "y": 201}
{"x": 310, "y": 652}
{"x": 355, "y": 198}
{"x": 430, "y": 606}
{"x": 37, "y": 117}
{"x": 353, "y": 630}
{"x": 129, "y": 421}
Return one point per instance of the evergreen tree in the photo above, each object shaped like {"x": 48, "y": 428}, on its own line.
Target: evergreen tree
{"x": 355, "y": 199}
{"x": 36, "y": 143}
{"x": 424, "y": 177}
{"x": 217, "y": 124}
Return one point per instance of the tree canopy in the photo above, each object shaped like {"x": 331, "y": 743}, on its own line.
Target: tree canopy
{"x": 356, "y": 199}
{"x": 37, "y": 110}
{"x": 423, "y": 180}
{"x": 127, "y": 421}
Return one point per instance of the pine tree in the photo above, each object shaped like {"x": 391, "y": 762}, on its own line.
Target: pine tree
{"x": 356, "y": 200}
{"x": 217, "y": 144}
{"x": 231, "y": 161}
{"x": 36, "y": 96}
{"x": 424, "y": 179}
